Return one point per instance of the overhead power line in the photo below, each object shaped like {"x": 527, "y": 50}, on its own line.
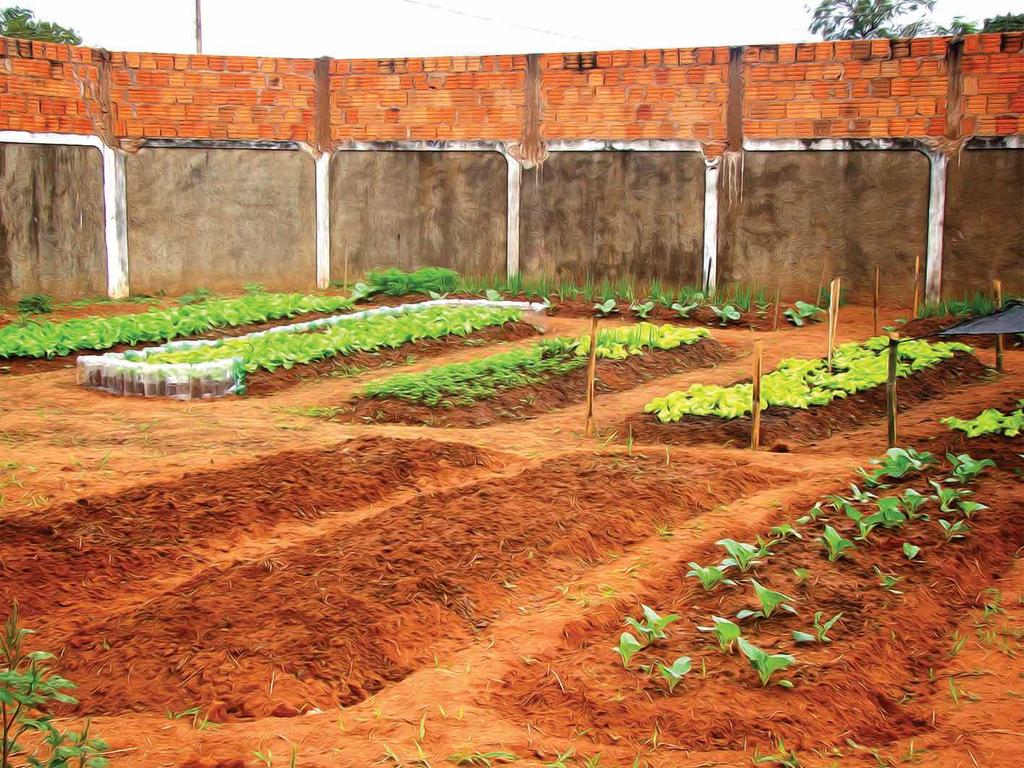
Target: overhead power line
{"x": 512, "y": 24}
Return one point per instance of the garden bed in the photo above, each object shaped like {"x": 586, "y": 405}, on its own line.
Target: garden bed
{"x": 887, "y": 660}
{"x": 782, "y": 426}
{"x": 529, "y": 401}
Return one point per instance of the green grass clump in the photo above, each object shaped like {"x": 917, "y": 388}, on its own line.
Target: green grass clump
{"x": 35, "y": 304}
{"x": 396, "y": 282}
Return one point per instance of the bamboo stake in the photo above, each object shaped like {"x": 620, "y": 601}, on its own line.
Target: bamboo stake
{"x": 874, "y": 302}
{"x": 890, "y": 389}
{"x": 917, "y": 285}
{"x": 833, "y": 317}
{"x": 755, "y": 404}
{"x": 588, "y": 427}
{"x": 997, "y": 290}
{"x": 778, "y": 298}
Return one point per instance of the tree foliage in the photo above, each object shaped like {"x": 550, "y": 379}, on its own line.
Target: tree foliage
{"x": 21, "y": 22}
{"x": 865, "y": 19}
{"x": 1008, "y": 22}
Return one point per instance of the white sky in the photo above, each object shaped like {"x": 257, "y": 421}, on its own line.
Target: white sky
{"x": 395, "y": 28}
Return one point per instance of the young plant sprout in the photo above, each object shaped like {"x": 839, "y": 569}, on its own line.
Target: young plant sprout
{"x": 784, "y": 531}
{"x": 910, "y": 551}
{"x": 770, "y": 600}
{"x": 675, "y": 672}
{"x": 726, "y": 632}
{"x": 802, "y": 312}
{"x": 684, "y": 310}
{"x": 710, "y": 576}
{"x": 971, "y": 508}
{"x": 627, "y": 648}
{"x": 912, "y": 502}
{"x": 821, "y": 629}
{"x": 889, "y": 515}
{"x": 843, "y": 505}
{"x": 801, "y": 574}
{"x": 653, "y": 626}
{"x": 741, "y": 555}
{"x": 897, "y": 463}
{"x": 605, "y": 307}
{"x": 835, "y": 544}
{"x": 492, "y": 295}
{"x": 726, "y": 314}
{"x": 966, "y": 469}
{"x": 887, "y": 580}
{"x": 954, "y": 530}
{"x": 812, "y": 515}
{"x": 948, "y": 497}
{"x": 767, "y": 664}
{"x": 643, "y": 311}
{"x": 859, "y": 496}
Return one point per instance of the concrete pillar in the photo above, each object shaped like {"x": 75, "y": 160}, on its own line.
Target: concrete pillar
{"x": 712, "y": 167}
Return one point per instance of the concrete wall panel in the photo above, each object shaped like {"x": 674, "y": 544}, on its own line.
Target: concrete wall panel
{"x": 51, "y": 221}
{"x": 611, "y": 215}
{"x": 782, "y": 214}
{"x": 984, "y": 222}
{"x": 418, "y": 209}
{"x": 220, "y": 218}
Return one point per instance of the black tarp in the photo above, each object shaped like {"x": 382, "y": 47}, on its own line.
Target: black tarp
{"x": 1010, "y": 319}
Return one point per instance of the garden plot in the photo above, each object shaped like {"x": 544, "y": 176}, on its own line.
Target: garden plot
{"x": 202, "y": 369}
{"x": 840, "y": 620}
{"x": 803, "y": 402}
{"x": 527, "y": 382}
{"x": 359, "y": 605}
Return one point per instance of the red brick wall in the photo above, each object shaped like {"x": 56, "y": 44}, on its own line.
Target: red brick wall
{"x": 844, "y": 89}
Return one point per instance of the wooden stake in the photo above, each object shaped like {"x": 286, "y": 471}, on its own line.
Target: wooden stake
{"x": 778, "y": 298}
{"x": 755, "y": 397}
{"x": 833, "y": 317}
{"x": 997, "y": 290}
{"x": 874, "y": 302}
{"x": 917, "y": 285}
{"x": 588, "y": 427}
{"x": 890, "y": 389}
{"x": 821, "y": 280}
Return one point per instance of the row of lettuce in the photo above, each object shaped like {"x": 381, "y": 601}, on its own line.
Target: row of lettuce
{"x": 802, "y": 383}
{"x": 459, "y": 384}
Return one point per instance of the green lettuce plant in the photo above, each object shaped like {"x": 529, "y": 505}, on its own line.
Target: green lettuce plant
{"x": 653, "y": 625}
{"x": 834, "y": 543}
{"x": 957, "y": 529}
{"x": 627, "y": 648}
{"x": 767, "y": 664}
{"x": 896, "y": 464}
{"x": 991, "y": 421}
{"x": 726, "y": 314}
{"x": 742, "y": 556}
{"x": 674, "y": 672}
{"x": 910, "y": 551}
{"x": 709, "y": 576}
{"x": 726, "y": 632}
{"x": 770, "y": 601}
{"x": 821, "y": 629}
{"x": 802, "y": 312}
{"x": 967, "y": 469}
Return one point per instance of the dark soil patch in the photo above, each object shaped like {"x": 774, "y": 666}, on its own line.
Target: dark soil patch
{"x": 557, "y": 392}
{"x": 871, "y": 684}
{"x": 335, "y": 618}
{"x": 268, "y": 382}
{"x": 794, "y": 425}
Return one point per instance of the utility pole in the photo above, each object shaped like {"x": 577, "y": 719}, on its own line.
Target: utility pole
{"x": 199, "y": 26}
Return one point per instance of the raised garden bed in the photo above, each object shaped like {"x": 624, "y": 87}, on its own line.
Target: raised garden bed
{"x": 784, "y": 424}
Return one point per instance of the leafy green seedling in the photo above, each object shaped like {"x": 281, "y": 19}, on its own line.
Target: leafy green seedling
{"x": 770, "y": 600}
{"x": 726, "y": 632}
{"x": 897, "y": 463}
{"x": 741, "y": 555}
{"x": 653, "y": 626}
{"x": 947, "y": 497}
{"x": 605, "y": 308}
{"x": 786, "y": 758}
{"x": 889, "y": 515}
{"x": 835, "y": 544}
{"x": 726, "y": 314}
{"x": 643, "y": 311}
{"x": 966, "y": 469}
{"x": 912, "y": 502}
{"x": 843, "y": 505}
{"x": 910, "y": 551}
{"x": 767, "y": 664}
{"x": 492, "y": 295}
{"x": 709, "y": 576}
{"x": 482, "y": 759}
{"x": 955, "y": 530}
{"x": 675, "y": 672}
{"x": 627, "y": 648}
{"x": 801, "y": 574}
{"x": 361, "y": 291}
{"x": 785, "y": 531}
{"x": 861, "y": 497}
{"x": 802, "y": 312}
{"x": 813, "y": 514}
{"x": 684, "y": 310}
{"x": 821, "y": 629}
{"x": 971, "y": 508}
{"x": 887, "y": 580}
